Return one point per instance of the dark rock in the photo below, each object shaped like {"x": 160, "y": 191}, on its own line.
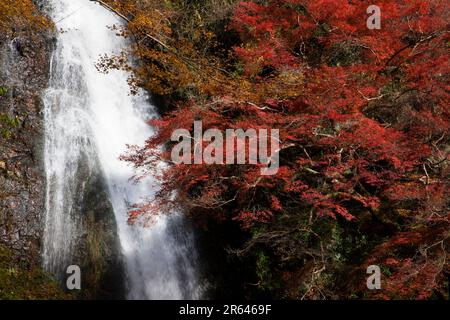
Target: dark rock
{"x": 24, "y": 71}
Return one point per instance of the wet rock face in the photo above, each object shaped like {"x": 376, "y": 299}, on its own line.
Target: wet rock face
{"x": 24, "y": 66}
{"x": 98, "y": 249}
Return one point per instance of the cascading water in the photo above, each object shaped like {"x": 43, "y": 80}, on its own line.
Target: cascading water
{"x": 89, "y": 119}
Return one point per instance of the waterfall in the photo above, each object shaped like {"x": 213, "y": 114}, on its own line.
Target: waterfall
{"x": 89, "y": 120}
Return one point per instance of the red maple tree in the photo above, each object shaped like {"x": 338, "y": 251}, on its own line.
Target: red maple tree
{"x": 364, "y": 124}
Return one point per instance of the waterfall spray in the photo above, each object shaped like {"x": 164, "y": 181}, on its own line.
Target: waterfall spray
{"x": 89, "y": 120}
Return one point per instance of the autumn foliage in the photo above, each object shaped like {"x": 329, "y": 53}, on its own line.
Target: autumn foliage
{"x": 364, "y": 120}
{"x": 21, "y": 15}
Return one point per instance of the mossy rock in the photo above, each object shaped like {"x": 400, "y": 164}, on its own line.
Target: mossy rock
{"x": 17, "y": 283}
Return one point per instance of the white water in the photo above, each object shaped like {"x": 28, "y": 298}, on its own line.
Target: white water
{"x": 89, "y": 119}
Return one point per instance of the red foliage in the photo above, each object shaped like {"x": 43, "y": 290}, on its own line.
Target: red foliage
{"x": 367, "y": 132}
